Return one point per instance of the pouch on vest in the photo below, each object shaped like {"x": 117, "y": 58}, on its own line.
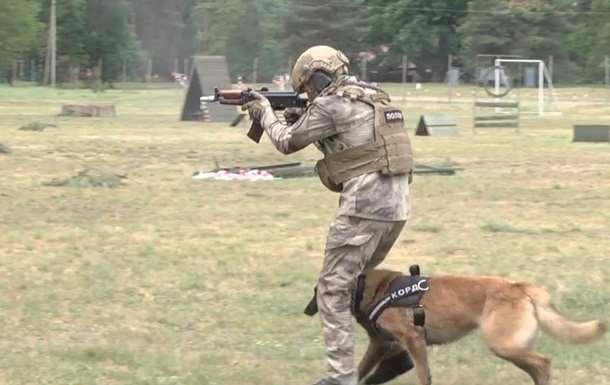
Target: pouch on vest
{"x": 324, "y": 175}
{"x": 390, "y": 130}
{"x": 390, "y": 151}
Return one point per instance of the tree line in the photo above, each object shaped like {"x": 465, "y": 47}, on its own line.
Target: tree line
{"x": 132, "y": 38}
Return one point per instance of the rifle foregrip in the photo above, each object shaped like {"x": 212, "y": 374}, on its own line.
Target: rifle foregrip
{"x": 230, "y": 94}
{"x": 256, "y": 132}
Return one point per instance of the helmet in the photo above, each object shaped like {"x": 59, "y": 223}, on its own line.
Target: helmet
{"x": 318, "y": 58}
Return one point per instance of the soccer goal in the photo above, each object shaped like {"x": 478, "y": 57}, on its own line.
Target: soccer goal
{"x": 543, "y": 74}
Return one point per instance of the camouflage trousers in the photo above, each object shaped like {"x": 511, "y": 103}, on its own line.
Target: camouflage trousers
{"x": 353, "y": 245}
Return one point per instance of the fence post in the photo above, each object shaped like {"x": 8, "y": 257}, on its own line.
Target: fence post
{"x": 607, "y": 75}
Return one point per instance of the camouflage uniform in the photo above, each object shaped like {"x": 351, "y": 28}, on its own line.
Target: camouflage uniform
{"x": 373, "y": 209}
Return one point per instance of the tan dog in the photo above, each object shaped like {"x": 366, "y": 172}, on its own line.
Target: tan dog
{"x": 508, "y": 313}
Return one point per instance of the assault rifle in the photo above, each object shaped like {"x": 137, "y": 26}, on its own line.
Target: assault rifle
{"x": 280, "y": 100}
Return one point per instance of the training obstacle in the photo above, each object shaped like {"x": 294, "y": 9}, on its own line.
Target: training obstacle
{"x": 207, "y": 73}
{"x": 436, "y": 125}
{"x": 507, "y": 117}
{"x": 592, "y": 133}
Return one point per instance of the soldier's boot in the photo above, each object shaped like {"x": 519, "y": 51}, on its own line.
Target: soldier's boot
{"x": 390, "y": 369}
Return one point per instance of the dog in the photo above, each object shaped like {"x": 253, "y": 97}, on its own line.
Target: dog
{"x": 509, "y": 314}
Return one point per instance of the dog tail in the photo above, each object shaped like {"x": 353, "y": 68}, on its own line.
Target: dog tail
{"x": 560, "y": 327}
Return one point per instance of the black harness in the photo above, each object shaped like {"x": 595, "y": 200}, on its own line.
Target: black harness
{"x": 404, "y": 291}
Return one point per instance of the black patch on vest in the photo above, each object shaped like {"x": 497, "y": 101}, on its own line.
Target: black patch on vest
{"x": 393, "y": 116}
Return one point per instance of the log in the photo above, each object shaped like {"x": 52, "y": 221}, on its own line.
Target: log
{"x": 88, "y": 110}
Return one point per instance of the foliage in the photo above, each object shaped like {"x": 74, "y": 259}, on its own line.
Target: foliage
{"x": 88, "y": 178}
{"x": 339, "y": 23}
{"x": 166, "y": 32}
{"x": 110, "y": 38}
{"x": 19, "y": 29}
{"x": 535, "y": 31}
{"x": 590, "y": 43}
{"x": 126, "y": 34}
{"x": 94, "y": 32}
{"x": 424, "y": 30}
{"x": 242, "y": 31}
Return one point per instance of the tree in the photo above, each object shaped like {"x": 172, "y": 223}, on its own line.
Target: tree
{"x": 489, "y": 33}
{"x": 20, "y": 31}
{"x": 590, "y": 44}
{"x": 71, "y": 34}
{"x": 242, "y": 31}
{"x": 166, "y": 32}
{"x": 341, "y": 24}
{"x": 94, "y": 31}
{"x": 110, "y": 38}
{"x": 424, "y": 30}
{"x": 533, "y": 30}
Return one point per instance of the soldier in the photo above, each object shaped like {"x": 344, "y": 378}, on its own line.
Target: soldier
{"x": 368, "y": 160}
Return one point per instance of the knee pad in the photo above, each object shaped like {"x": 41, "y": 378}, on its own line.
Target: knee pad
{"x": 390, "y": 368}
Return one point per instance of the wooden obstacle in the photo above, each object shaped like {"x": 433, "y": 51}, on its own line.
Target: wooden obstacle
{"x": 503, "y": 119}
{"x": 207, "y": 73}
{"x": 436, "y": 125}
{"x": 88, "y": 110}
{"x": 592, "y": 133}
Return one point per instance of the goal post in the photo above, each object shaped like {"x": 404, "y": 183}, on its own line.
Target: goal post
{"x": 543, "y": 74}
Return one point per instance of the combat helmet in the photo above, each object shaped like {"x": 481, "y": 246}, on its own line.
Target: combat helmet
{"x": 318, "y": 58}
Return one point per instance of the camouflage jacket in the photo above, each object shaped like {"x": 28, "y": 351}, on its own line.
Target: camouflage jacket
{"x": 333, "y": 123}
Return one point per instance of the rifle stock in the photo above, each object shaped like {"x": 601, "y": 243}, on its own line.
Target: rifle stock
{"x": 280, "y": 100}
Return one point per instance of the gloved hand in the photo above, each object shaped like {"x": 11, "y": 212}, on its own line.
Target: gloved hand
{"x": 257, "y": 107}
{"x": 292, "y": 114}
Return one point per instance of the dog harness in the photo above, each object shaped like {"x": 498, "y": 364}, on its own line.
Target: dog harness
{"x": 404, "y": 291}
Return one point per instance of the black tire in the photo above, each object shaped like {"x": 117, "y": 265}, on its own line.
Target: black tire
{"x": 486, "y": 86}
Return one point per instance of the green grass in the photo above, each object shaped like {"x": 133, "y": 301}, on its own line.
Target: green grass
{"x": 169, "y": 280}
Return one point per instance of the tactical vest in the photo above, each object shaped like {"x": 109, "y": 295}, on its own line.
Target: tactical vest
{"x": 390, "y": 151}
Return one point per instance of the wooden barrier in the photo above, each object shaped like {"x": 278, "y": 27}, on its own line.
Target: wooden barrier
{"x": 592, "y": 133}
{"x": 496, "y": 119}
{"x": 436, "y": 125}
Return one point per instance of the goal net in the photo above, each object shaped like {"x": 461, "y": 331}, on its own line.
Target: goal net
{"x": 545, "y": 98}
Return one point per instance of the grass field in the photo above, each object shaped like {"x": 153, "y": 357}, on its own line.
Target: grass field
{"x": 169, "y": 280}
